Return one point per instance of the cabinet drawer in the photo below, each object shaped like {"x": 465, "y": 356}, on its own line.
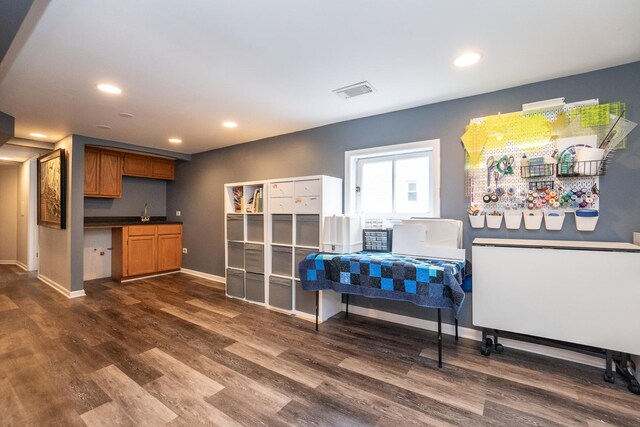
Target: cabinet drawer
{"x": 305, "y": 300}
{"x": 309, "y": 204}
{"x": 254, "y": 287}
{"x": 170, "y": 229}
{"x": 280, "y": 292}
{"x": 281, "y": 205}
{"x": 281, "y": 260}
{"x": 281, "y": 189}
{"x": 142, "y": 230}
{"x": 254, "y": 258}
{"x": 235, "y": 283}
{"x": 310, "y": 187}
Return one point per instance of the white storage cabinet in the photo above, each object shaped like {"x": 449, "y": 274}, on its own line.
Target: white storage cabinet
{"x": 297, "y": 208}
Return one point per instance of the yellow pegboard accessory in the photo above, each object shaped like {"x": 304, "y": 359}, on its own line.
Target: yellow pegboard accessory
{"x": 558, "y": 125}
{"x": 474, "y": 140}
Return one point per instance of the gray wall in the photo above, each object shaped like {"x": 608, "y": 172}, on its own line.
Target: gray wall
{"x": 12, "y": 13}
{"x": 135, "y": 193}
{"x": 54, "y": 246}
{"x": 7, "y": 127}
{"x": 8, "y": 212}
{"x": 197, "y": 191}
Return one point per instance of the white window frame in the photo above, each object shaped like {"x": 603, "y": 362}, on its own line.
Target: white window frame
{"x": 350, "y": 173}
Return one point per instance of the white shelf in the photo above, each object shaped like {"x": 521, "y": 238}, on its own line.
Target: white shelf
{"x": 327, "y": 202}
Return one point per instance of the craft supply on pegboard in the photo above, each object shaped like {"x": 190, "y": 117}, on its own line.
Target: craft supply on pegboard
{"x": 520, "y": 153}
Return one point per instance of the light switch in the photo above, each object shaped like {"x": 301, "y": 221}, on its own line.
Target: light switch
{"x": 178, "y": 213}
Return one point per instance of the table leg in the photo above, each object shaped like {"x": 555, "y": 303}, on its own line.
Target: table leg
{"x": 347, "y": 313}
{"x": 439, "y": 339}
{"x": 456, "y": 329}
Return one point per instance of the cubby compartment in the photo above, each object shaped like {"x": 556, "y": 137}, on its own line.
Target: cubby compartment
{"x": 281, "y": 259}
{"x": 305, "y": 300}
{"x": 235, "y": 283}
{"x": 282, "y": 229}
{"x": 255, "y": 228}
{"x": 235, "y": 254}
{"x": 254, "y": 257}
{"x": 280, "y": 294}
{"x": 235, "y": 227}
{"x": 254, "y": 287}
{"x": 308, "y": 230}
{"x": 300, "y": 255}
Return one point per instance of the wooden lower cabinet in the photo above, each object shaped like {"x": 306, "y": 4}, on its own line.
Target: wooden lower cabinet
{"x": 145, "y": 249}
{"x": 169, "y": 252}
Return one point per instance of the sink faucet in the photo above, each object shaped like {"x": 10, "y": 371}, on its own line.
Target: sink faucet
{"x": 145, "y": 214}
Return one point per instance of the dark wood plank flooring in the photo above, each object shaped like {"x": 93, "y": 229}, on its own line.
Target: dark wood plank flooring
{"x": 173, "y": 350}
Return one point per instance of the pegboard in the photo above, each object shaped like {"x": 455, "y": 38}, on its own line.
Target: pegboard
{"x": 579, "y": 189}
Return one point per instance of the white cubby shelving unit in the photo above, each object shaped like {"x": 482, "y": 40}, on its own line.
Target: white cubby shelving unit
{"x": 245, "y": 237}
{"x": 292, "y": 222}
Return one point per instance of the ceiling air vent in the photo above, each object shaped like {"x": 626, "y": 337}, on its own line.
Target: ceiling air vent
{"x": 357, "y": 89}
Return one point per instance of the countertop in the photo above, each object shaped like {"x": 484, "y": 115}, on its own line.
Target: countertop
{"x": 122, "y": 221}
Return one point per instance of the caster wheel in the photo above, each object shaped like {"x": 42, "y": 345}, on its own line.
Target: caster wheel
{"x": 609, "y": 378}
{"x": 488, "y": 342}
{"x": 634, "y": 388}
{"x": 499, "y": 348}
{"x": 485, "y": 352}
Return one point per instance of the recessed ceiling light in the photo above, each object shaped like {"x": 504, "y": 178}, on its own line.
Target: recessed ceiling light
{"x": 106, "y": 127}
{"x": 175, "y": 140}
{"x": 114, "y": 90}
{"x": 38, "y": 135}
{"x": 467, "y": 59}
{"x": 126, "y": 115}
{"x": 8, "y": 159}
{"x": 230, "y": 124}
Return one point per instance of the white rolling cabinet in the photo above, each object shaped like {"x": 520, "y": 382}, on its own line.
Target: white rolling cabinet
{"x": 578, "y": 292}
{"x": 296, "y": 208}
{"x": 245, "y": 241}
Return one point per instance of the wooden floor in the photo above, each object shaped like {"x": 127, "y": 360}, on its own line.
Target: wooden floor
{"x": 173, "y": 350}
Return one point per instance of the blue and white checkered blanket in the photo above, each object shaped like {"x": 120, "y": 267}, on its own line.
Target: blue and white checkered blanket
{"x": 424, "y": 282}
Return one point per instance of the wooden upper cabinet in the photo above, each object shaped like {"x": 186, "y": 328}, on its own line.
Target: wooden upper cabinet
{"x": 148, "y": 166}
{"x": 110, "y": 174}
{"x": 102, "y": 173}
{"x": 91, "y": 171}
{"x": 136, "y": 165}
{"x": 162, "y": 168}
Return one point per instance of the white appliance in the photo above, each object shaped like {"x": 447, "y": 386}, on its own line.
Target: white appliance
{"x": 429, "y": 238}
{"x": 342, "y": 234}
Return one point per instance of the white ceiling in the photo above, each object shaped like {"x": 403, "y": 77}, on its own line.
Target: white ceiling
{"x": 19, "y": 153}
{"x": 187, "y": 66}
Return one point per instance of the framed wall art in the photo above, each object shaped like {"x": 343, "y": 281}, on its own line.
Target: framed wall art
{"x": 52, "y": 189}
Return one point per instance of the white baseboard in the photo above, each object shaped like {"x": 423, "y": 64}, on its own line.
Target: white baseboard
{"x": 61, "y": 289}
{"x": 149, "y": 276}
{"x": 476, "y": 335}
{"x": 7, "y": 261}
{"x": 202, "y": 275}
{"x": 22, "y": 266}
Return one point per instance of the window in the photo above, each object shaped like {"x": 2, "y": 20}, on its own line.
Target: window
{"x": 398, "y": 181}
